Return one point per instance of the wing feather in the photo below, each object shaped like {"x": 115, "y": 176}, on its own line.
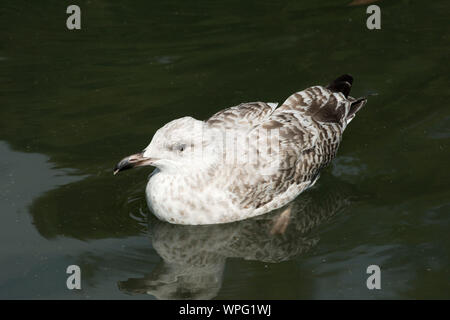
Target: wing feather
{"x": 309, "y": 126}
{"x": 244, "y": 116}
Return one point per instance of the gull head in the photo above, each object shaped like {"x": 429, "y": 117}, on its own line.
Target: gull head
{"x": 179, "y": 147}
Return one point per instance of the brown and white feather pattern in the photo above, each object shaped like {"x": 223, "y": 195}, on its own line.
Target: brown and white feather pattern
{"x": 310, "y": 124}
{"x": 244, "y": 116}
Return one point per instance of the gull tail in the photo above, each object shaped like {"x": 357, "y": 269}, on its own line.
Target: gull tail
{"x": 343, "y": 84}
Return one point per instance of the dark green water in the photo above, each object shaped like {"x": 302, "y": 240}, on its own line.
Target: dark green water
{"x": 73, "y": 103}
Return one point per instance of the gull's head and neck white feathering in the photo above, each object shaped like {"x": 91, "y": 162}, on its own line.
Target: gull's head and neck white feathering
{"x": 182, "y": 146}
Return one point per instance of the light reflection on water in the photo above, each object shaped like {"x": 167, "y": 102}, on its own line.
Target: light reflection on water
{"x": 194, "y": 257}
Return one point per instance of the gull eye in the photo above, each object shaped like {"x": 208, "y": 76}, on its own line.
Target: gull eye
{"x": 180, "y": 147}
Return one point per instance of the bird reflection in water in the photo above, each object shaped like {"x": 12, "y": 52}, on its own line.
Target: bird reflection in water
{"x": 194, "y": 257}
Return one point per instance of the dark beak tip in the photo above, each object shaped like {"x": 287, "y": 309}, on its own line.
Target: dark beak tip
{"x": 129, "y": 162}
{"x": 118, "y": 167}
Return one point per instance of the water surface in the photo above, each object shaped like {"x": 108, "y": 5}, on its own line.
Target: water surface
{"x": 73, "y": 103}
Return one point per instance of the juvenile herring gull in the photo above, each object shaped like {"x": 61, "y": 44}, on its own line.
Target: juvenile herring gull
{"x": 246, "y": 160}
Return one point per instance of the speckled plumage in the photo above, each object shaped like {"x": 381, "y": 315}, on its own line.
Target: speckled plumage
{"x": 280, "y": 152}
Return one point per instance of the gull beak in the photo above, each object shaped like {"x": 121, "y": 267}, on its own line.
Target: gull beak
{"x": 135, "y": 160}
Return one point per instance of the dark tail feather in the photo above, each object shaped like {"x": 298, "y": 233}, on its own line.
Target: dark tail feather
{"x": 342, "y": 84}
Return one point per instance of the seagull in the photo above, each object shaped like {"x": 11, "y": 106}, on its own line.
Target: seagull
{"x": 246, "y": 160}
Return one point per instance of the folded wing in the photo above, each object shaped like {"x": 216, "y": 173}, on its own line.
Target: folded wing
{"x": 309, "y": 127}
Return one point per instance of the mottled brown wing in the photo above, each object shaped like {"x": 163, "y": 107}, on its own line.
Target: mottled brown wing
{"x": 243, "y": 116}
{"x": 310, "y": 125}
